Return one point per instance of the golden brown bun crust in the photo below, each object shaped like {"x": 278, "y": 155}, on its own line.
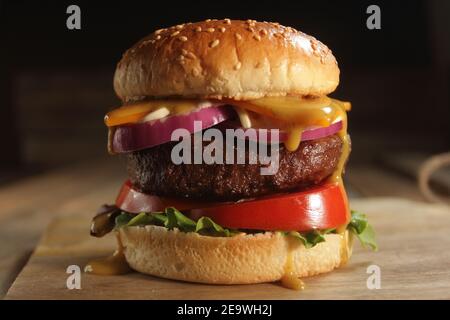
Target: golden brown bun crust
{"x": 240, "y": 259}
{"x": 226, "y": 59}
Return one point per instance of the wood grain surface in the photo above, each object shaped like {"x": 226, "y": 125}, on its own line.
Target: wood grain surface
{"x": 413, "y": 258}
{"x": 29, "y": 205}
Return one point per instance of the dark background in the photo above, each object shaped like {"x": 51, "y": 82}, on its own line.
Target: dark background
{"x": 56, "y": 84}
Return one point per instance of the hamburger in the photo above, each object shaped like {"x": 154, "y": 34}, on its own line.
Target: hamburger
{"x": 229, "y": 222}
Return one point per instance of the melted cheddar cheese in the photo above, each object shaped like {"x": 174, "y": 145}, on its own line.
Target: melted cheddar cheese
{"x": 156, "y": 109}
{"x": 293, "y": 115}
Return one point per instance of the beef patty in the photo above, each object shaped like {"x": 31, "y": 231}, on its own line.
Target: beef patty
{"x": 152, "y": 171}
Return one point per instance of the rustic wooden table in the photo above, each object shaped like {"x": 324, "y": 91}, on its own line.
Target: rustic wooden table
{"x": 29, "y": 205}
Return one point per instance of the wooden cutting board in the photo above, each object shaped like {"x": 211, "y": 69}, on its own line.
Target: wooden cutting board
{"x": 414, "y": 260}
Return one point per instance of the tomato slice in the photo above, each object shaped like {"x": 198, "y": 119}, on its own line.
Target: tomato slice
{"x": 321, "y": 207}
{"x": 133, "y": 201}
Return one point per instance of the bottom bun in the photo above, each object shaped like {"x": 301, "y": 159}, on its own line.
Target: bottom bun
{"x": 242, "y": 259}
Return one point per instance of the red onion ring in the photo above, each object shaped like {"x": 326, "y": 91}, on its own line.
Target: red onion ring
{"x": 311, "y": 133}
{"x": 138, "y": 136}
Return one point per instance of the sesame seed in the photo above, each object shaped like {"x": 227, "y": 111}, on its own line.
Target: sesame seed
{"x": 159, "y": 31}
{"x": 237, "y": 66}
{"x": 158, "y": 37}
{"x": 227, "y": 21}
{"x": 179, "y": 27}
{"x": 263, "y": 32}
{"x": 146, "y": 42}
{"x": 222, "y": 29}
{"x": 175, "y": 33}
{"x": 238, "y": 36}
{"x": 257, "y": 37}
{"x": 190, "y": 55}
{"x": 180, "y": 57}
{"x": 214, "y": 43}
{"x": 251, "y": 29}
{"x": 198, "y": 29}
{"x": 208, "y": 20}
{"x": 210, "y": 30}
{"x": 184, "y": 51}
{"x": 183, "y": 38}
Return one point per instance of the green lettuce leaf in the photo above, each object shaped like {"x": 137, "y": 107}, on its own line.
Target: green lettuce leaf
{"x": 207, "y": 226}
{"x": 140, "y": 219}
{"x": 309, "y": 239}
{"x": 123, "y": 219}
{"x": 360, "y": 227}
{"x": 172, "y": 218}
{"x": 159, "y": 219}
{"x": 175, "y": 219}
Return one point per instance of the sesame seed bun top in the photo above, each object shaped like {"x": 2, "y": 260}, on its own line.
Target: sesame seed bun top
{"x": 226, "y": 59}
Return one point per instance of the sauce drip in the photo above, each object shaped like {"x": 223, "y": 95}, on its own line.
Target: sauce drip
{"x": 289, "y": 279}
{"x": 336, "y": 176}
{"x": 294, "y": 138}
{"x": 115, "y": 264}
{"x": 346, "y": 247}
